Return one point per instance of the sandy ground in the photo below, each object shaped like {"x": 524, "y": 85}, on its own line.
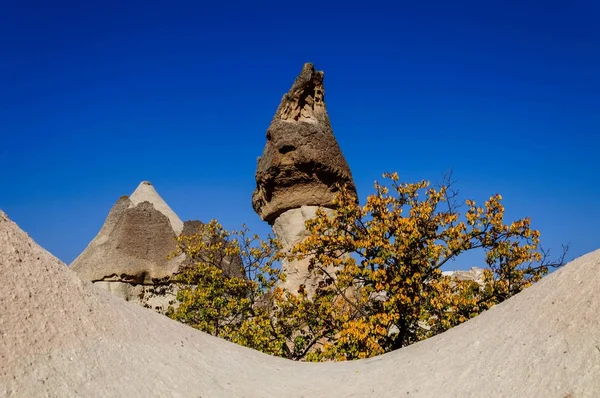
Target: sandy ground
{"x": 62, "y": 337}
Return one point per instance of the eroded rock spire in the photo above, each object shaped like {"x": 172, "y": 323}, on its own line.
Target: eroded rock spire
{"x": 299, "y": 170}
{"x": 302, "y": 161}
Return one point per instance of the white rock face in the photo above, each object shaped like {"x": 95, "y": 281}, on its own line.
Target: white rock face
{"x": 475, "y": 274}
{"x": 290, "y": 229}
{"x": 62, "y": 337}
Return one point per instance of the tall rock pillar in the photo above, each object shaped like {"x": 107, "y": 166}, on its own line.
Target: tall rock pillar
{"x": 299, "y": 169}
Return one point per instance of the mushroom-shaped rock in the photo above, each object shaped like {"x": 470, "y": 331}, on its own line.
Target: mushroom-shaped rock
{"x": 302, "y": 161}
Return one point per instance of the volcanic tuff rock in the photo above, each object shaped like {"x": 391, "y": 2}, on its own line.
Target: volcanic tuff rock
{"x": 475, "y": 274}
{"x": 302, "y": 161}
{"x": 60, "y": 337}
{"x": 298, "y": 171}
{"x": 231, "y": 265}
{"x": 134, "y": 242}
{"x": 129, "y": 256}
{"x": 290, "y": 229}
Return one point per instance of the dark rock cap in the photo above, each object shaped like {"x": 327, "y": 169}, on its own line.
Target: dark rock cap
{"x": 302, "y": 161}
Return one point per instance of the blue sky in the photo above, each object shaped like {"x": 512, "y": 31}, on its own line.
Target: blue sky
{"x": 98, "y": 96}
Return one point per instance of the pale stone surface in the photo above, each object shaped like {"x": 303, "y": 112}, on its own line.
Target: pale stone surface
{"x": 302, "y": 161}
{"x": 290, "y": 229}
{"x": 63, "y": 337}
{"x": 290, "y": 226}
{"x": 474, "y": 274}
{"x": 144, "y": 295}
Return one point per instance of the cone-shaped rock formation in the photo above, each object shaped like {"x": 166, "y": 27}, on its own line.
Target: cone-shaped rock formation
{"x": 130, "y": 255}
{"x": 302, "y": 160}
{"x": 61, "y": 337}
{"x": 134, "y": 242}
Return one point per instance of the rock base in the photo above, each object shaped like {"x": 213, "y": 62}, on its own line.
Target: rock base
{"x": 290, "y": 229}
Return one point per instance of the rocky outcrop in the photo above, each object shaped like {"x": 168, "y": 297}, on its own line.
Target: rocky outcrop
{"x": 130, "y": 256}
{"x": 300, "y": 169}
{"x": 231, "y": 265}
{"x": 302, "y": 161}
{"x": 474, "y": 274}
{"x": 60, "y": 337}
{"x": 289, "y": 228}
{"x": 135, "y": 241}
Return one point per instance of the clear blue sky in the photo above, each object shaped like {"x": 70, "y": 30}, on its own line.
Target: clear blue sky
{"x": 98, "y": 96}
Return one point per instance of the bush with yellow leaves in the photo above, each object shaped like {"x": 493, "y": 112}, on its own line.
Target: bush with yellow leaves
{"x": 387, "y": 290}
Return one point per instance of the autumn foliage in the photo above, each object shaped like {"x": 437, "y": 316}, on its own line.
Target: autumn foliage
{"x": 380, "y": 270}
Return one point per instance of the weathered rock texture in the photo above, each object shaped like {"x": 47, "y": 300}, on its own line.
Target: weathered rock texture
{"x": 135, "y": 241}
{"x": 302, "y": 161}
{"x": 474, "y": 274}
{"x": 129, "y": 256}
{"x": 61, "y": 337}
{"x": 299, "y": 169}
{"x": 231, "y": 265}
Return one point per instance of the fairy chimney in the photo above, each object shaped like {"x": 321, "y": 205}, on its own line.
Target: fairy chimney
{"x": 131, "y": 255}
{"x": 300, "y": 168}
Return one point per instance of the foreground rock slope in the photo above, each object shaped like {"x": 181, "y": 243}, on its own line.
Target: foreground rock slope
{"x": 62, "y": 337}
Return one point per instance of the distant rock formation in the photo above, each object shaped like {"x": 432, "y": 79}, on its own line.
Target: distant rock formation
{"x": 132, "y": 248}
{"x": 134, "y": 242}
{"x": 230, "y": 265}
{"x": 299, "y": 168}
{"x": 475, "y": 274}
{"x": 130, "y": 255}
